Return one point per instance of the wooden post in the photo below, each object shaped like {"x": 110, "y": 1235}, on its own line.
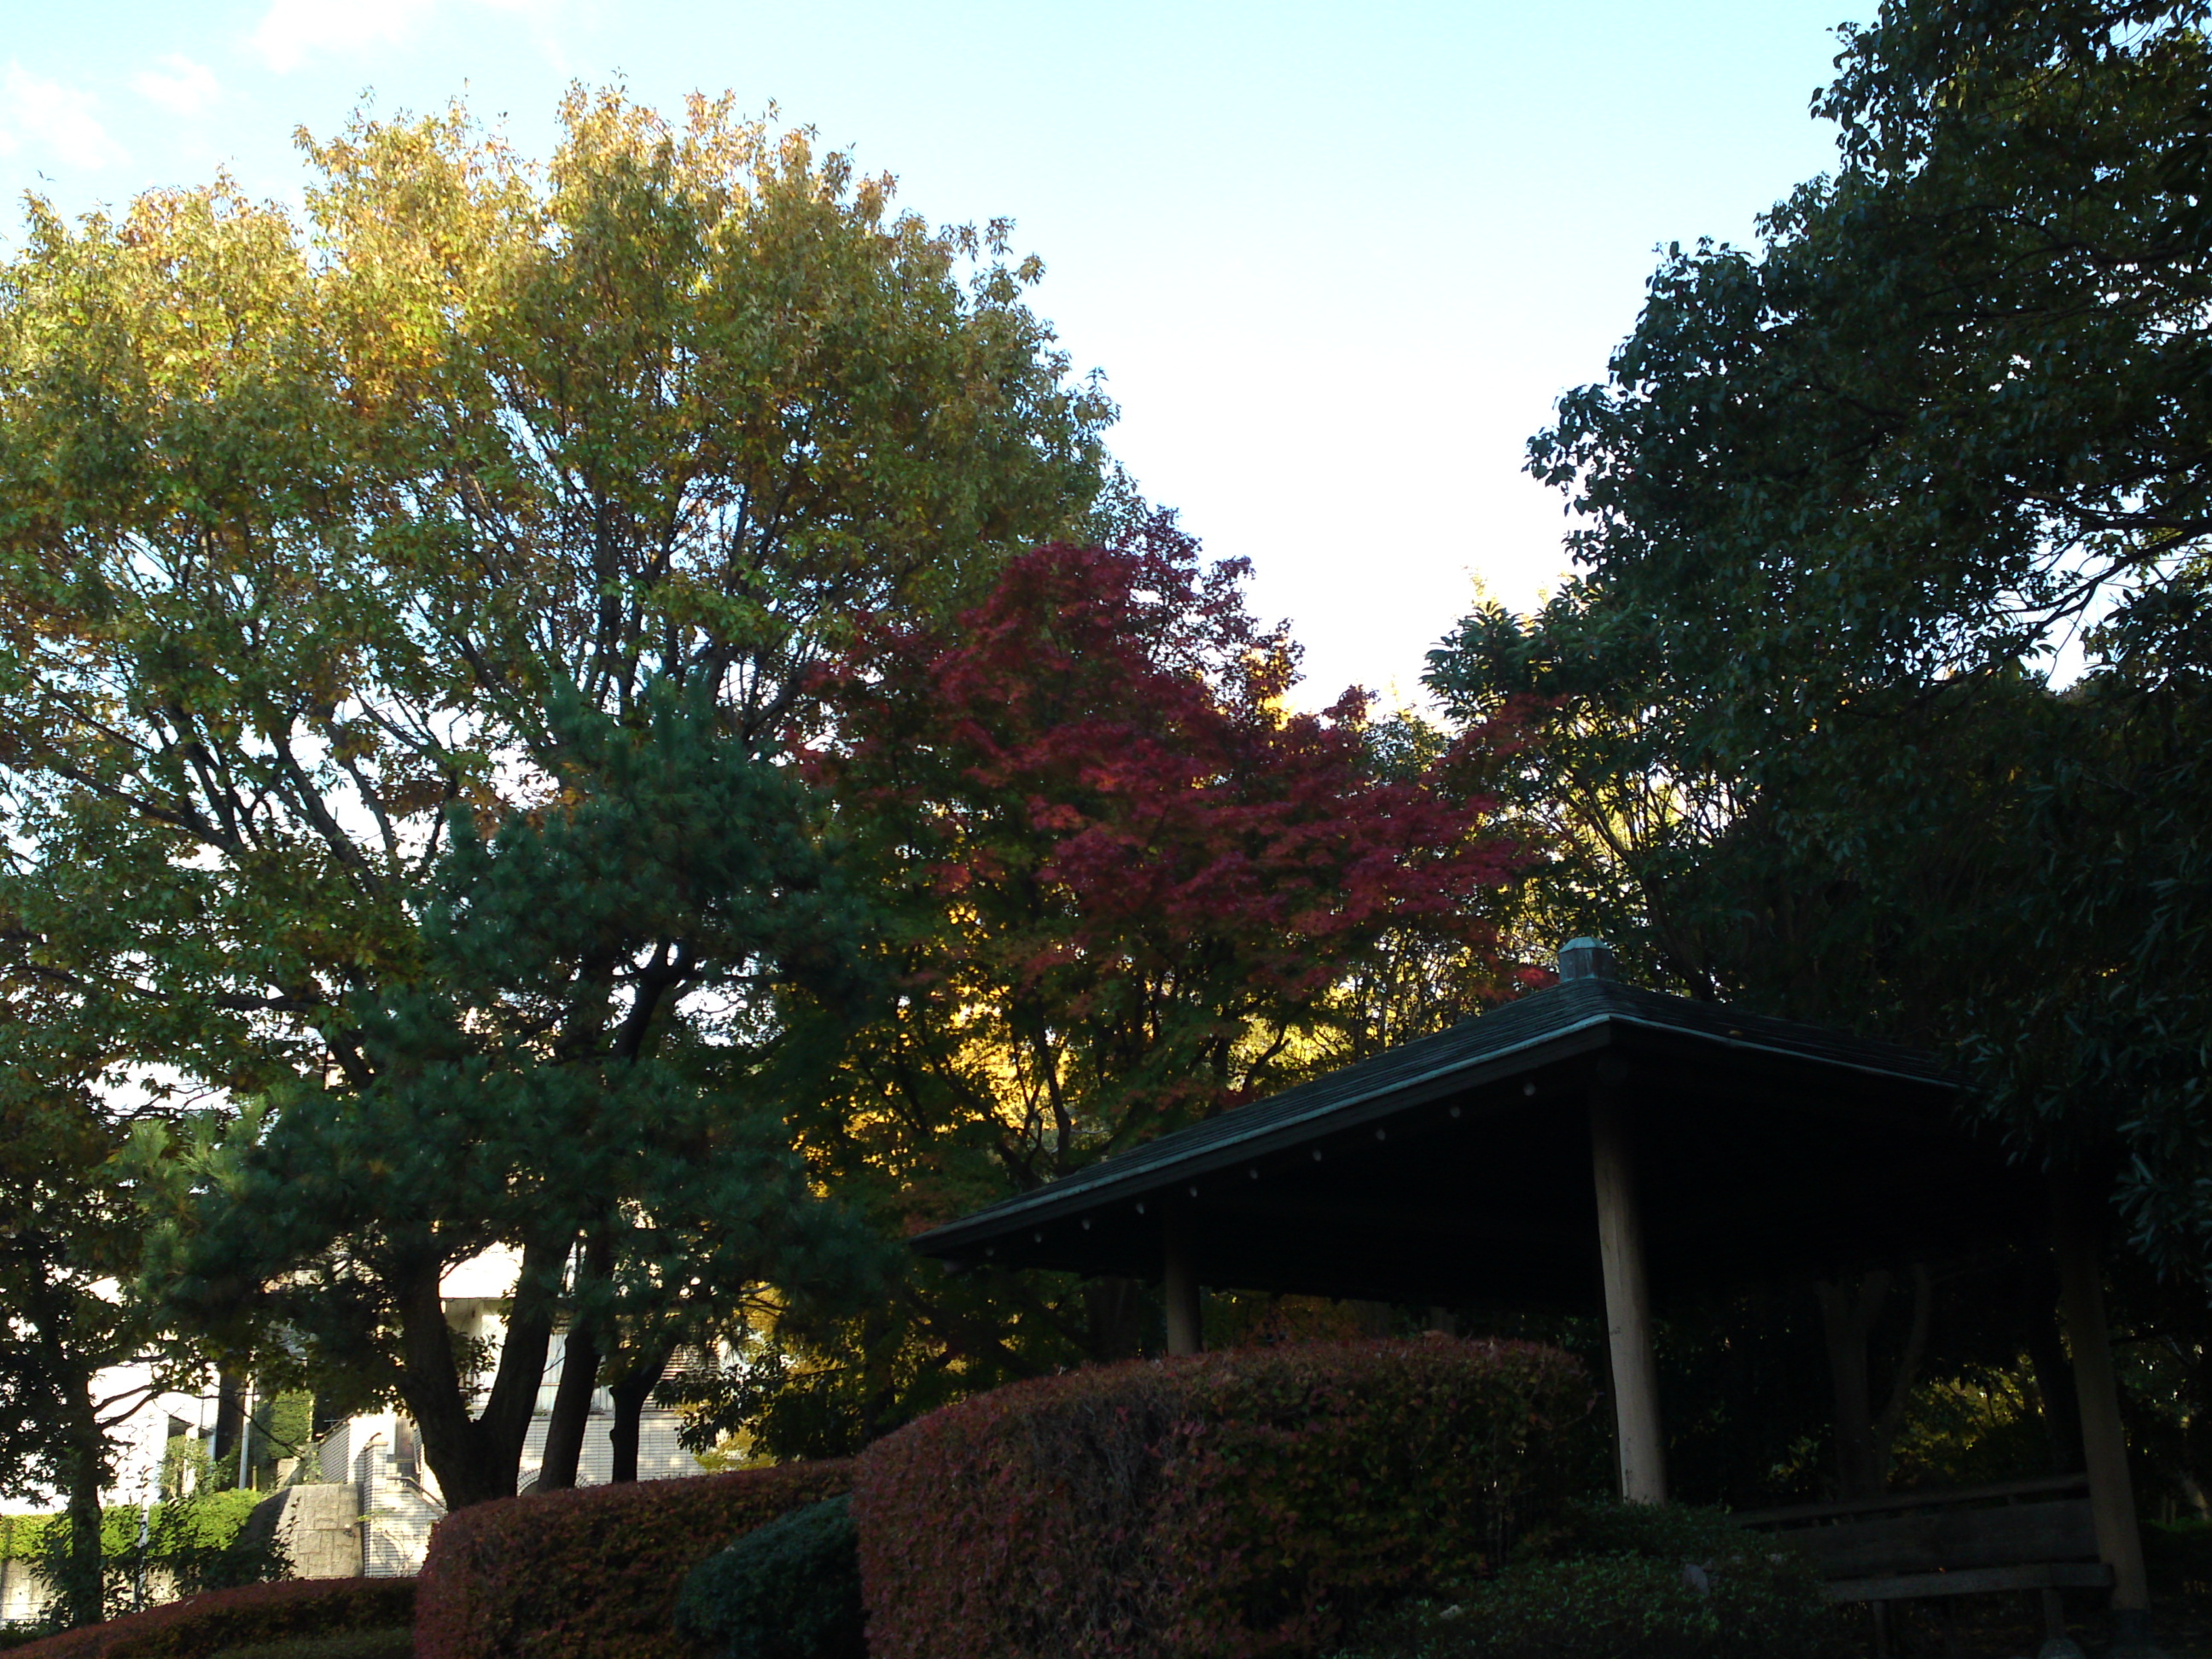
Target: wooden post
{"x": 1186, "y": 1325}
{"x": 2104, "y": 1445}
{"x": 1627, "y": 1306}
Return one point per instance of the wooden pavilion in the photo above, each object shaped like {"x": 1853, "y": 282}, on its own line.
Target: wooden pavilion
{"x": 1591, "y": 1144}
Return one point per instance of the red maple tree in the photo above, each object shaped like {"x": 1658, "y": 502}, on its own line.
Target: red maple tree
{"x": 1132, "y": 881}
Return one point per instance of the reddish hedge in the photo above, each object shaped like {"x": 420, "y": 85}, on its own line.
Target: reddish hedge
{"x": 1219, "y": 1507}
{"x": 592, "y": 1573}
{"x": 200, "y": 1625}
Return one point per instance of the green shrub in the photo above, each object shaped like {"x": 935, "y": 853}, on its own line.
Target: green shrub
{"x": 198, "y": 1542}
{"x": 1620, "y": 1581}
{"x": 207, "y": 1517}
{"x": 200, "y": 1625}
{"x": 790, "y": 1589}
{"x": 1228, "y": 1504}
{"x": 1664, "y": 1532}
{"x": 592, "y": 1573}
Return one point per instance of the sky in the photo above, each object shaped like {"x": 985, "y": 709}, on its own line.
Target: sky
{"x": 1337, "y": 262}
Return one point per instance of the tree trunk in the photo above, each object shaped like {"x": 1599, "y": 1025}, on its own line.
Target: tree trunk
{"x": 635, "y": 1388}
{"x": 1848, "y": 1312}
{"x": 1907, "y": 1374}
{"x": 229, "y": 1420}
{"x": 86, "y": 1474}
{"x": 581, "y": 1354}
{"x": 2054, "y": 1371}
{"x": 1112, "y": 1313}
{"x": 572, "y": 1410}
{"x": 475, "y": 1459}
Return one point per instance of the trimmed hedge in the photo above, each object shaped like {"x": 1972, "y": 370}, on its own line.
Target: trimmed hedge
{"x": 592, "y": 1573}
{"x": 1218, "y": 1507}
{"x": 198, "y": 1625}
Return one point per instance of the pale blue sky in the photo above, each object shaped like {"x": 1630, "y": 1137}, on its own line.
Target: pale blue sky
{"x": 1336, "y": 261}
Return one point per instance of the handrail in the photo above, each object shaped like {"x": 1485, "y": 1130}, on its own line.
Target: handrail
{"x": 1914, "y": 1500}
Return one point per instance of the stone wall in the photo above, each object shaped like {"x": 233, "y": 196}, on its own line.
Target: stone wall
{"x": 318, "y": 1525}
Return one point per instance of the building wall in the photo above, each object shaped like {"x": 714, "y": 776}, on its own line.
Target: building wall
{"x": 659, "y": 1457}
{"x": 380, "y": 1457}
{"x": 23, "y": 1593}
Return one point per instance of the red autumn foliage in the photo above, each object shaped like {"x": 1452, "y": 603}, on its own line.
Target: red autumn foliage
{"x": 1133, "y": 872}
{"x": 1226, "y": 1506}
{"x": 198, "y": 1625}
{"x": 592, "y": 1572}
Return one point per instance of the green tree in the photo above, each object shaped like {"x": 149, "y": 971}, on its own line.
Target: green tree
{"x": 1880, "y": 694}
{"x": 325, "y": 545}
{"x": 1880, "y": 697}
{"x": 70, "y": 1229}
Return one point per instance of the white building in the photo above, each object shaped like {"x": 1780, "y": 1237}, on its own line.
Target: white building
{"x": 364, "y": 1501}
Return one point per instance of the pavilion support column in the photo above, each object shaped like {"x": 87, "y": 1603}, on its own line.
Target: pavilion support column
{"x": 1186, "y": 1322}
{"x": 2104, "y": 1444}
{"x": 1627, "y": 1304}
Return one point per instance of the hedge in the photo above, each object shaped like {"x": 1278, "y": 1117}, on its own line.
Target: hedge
{"x": 1218, "y": 1507}
{"x": 198, "y": 1625}
{"x": 397, "y": 1643}
{"x": 1627, "y": 1581}
{"x": 592, "y": 1573}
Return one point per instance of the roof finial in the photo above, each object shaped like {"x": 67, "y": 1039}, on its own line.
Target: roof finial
{"x": 1588, "y": 958}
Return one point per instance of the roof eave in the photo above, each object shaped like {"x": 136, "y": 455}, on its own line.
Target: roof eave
{"x": 1104, "y": 1182}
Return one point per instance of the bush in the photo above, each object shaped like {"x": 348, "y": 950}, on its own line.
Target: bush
{"x": 790, "y": 1589}
{"x": 214, "y": 1517}
{"x": 200, "y": 1625}
{"x": 1663, "y": 1531}
{"x": 198, "y": 1542}
{"x": 1621, "y": 1581}
{"x": 396, "y": 1643}
{"x": 1209, "y": 1508}
{"x": 592, "y": 1573}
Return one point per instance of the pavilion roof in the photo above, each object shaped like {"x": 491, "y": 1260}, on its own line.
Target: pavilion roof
{"x": 1456, "y": 1166}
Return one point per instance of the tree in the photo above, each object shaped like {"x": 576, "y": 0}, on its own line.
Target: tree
{"x": 578, "y": 1073}
{"x": 69, "y": 1228}
{"x": 1880, "y": 696}
{"x": 1891, "y": 617}
{"x": 1128, "y": 889}
{"x": 320, "y": 548}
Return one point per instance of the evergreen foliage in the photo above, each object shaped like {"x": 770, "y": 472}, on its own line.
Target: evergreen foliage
{"x": 1880, "y": 696}
{"x": 790, "y": 1589}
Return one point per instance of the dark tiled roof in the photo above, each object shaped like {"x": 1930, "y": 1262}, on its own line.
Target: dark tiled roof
{"x": 1535, "y": 1025}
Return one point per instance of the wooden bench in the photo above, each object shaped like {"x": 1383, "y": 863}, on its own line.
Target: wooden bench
{"x": 2034, "y": 1535}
